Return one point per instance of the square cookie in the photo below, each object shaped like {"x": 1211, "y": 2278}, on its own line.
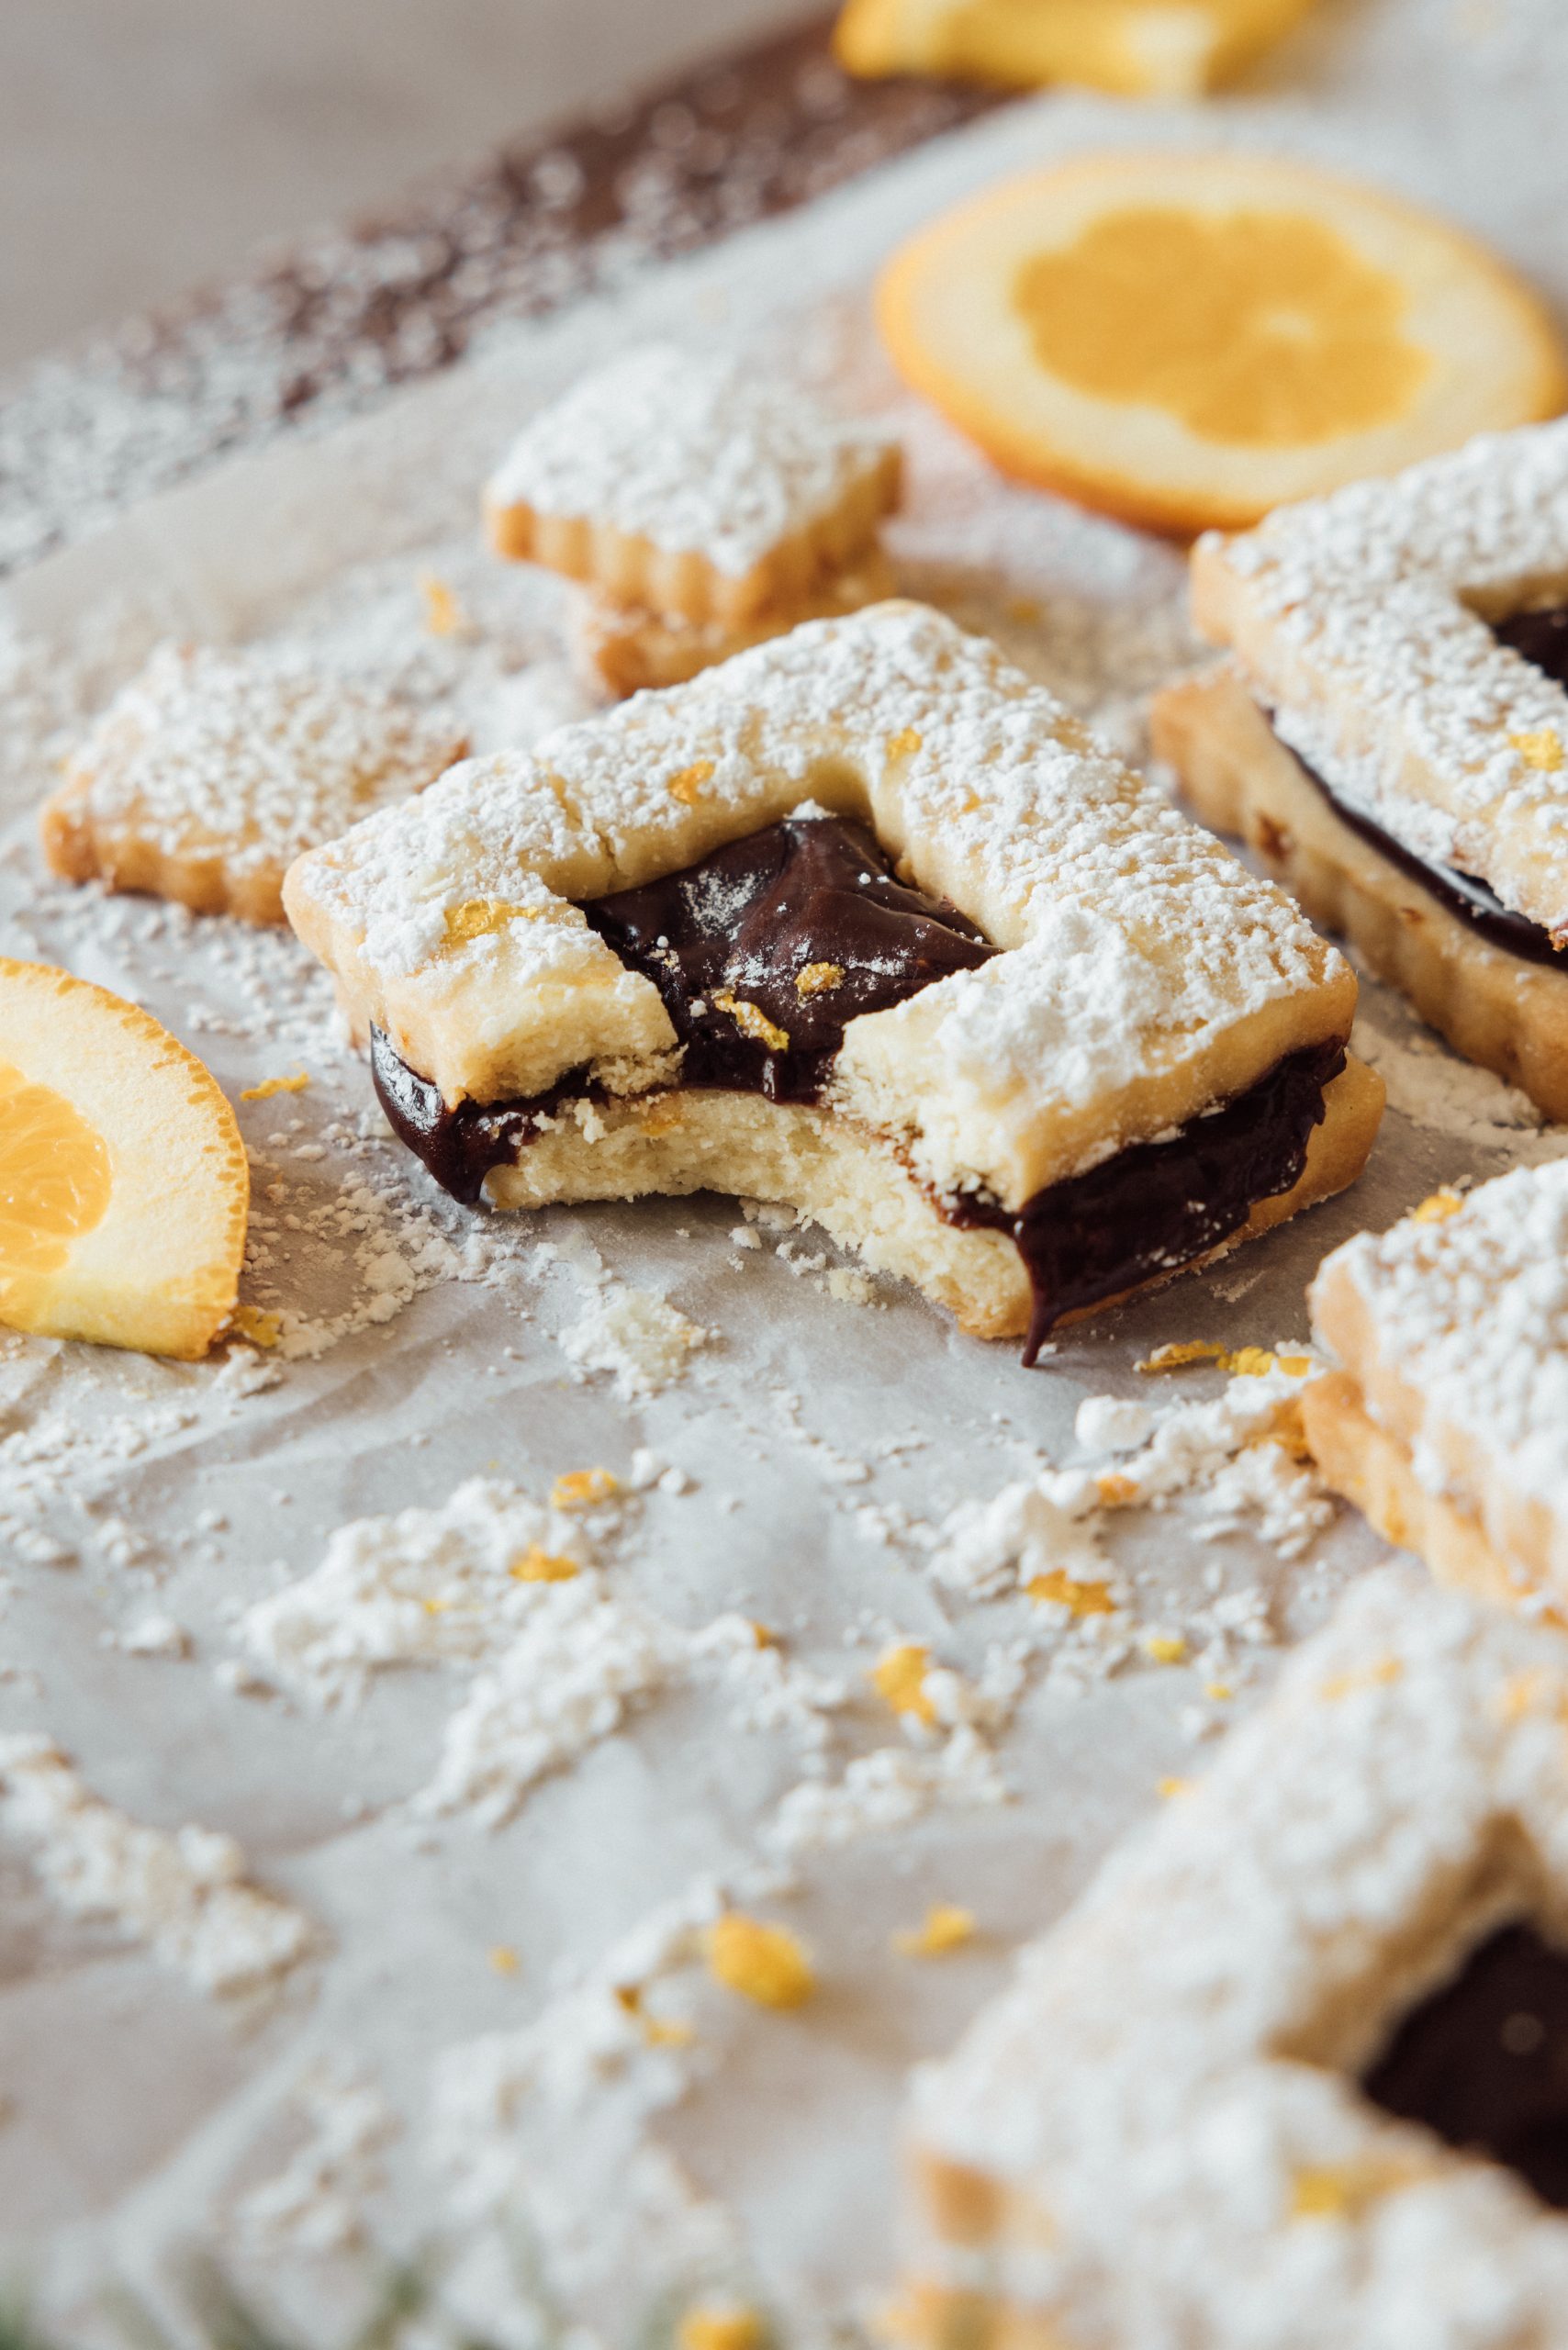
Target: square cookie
{"x": 692, "y": 489}
{"x": 1295, "y": 2072}
{"x": 1391, "y": 732}
{"x": 865, "y": 921}
{"x": 1447, "y": 1421}
{"x": 213, "y": 770}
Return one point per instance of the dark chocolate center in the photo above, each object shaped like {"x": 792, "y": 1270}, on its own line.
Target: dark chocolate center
{"x": 1541, "y": 638}
{"x": 1157, "y": 1205}
{"x": 796, "y": 930}
{"x": 1484, "y": 2061}
{"x": 763, "y": 952}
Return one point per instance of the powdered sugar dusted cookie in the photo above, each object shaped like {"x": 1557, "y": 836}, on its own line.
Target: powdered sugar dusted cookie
{"x": 1293, "y": 2073}
{"x": 1448, "y": 1423}
{"x": 1392, "y": 733}
{"x": 694, "y": 489}
{"x": 864, "y": 920}
{"x": 213, "y": 770}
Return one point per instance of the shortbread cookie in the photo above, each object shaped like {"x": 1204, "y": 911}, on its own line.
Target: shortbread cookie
{"x": 1070, "y": 1047}
{"x": 693, "y": 488}
{"x": 1140, "y": 47}
{"x": 1189, "y": 340}
{"x": 1405, "y": 646}
{"x": 124, "y": 1185}
{"x": 1449, "y": 1427}
{"x": 1489, "y": 981}
{"x": 213, "y": 770}
{"x": 1294, "y": 2073}
{"x": 629, "y": 651}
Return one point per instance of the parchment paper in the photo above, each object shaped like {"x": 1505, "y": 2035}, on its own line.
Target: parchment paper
{"x": 139, "y": 2116}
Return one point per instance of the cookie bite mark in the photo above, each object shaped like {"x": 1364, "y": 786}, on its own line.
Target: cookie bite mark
{"x": 918, "y": 958}
{"x": 1352, "y": 2071}
{"x": 1445, "y": 1421}
{"x": 213, "y": 770}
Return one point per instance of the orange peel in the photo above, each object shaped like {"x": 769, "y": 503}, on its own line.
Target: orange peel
{"x": 1168, "y": 48}
{"x": 124, "y": 1185}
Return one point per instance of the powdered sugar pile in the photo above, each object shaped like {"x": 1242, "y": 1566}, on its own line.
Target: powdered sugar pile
{"x": 186, "y": 1895}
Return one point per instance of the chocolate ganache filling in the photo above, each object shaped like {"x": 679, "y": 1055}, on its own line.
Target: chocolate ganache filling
{"x": 1483, "y": 2062}
{"x": 764, "y": 952}
{"x": 1541, "y": 638}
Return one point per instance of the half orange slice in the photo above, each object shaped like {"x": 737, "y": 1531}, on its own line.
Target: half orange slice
{"x": 124, "y": 1186}
{"x": 1189, "y": 340}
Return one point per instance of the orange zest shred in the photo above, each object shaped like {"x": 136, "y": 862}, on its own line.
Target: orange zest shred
{"x": 1344, "y": 2190}
{"x": 761, "y": 1962}
{"x": 443, "y": 613}
{"x": 752, "y": 1021}
{"x": 584, "y": 1489}
{"x": 537, "y": 1564}
{"x": 504, "y": 1959}
{"x": 271, "y": 1085}
{"x": 1164, "y": 1648}
{"x": 899, "y": 1679}
{"x": 1439, "y": 1207}
{"x": 1059, "y": 1590}
{"x": 946, "y": 1928}
{"x": 722, "y": 2325}
{"x": 687, "y": 787}
{"x": 816, "y": 979}
{"x": 1540, "y": 749}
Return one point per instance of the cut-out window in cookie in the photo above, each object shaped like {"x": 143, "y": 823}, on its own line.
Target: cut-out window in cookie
{"x": 1447, "y": 1422}
{"x": 212, "y": 770}
{"x": 866, "y": 922}
{"x": 1391, "y": 733}
{"x": 1289, "y": 2074}
{"x": 705, "y": 505}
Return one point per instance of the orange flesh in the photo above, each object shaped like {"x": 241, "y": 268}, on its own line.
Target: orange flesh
{"x": 1258, "y": 329}
{"x": 56, "y": 1179}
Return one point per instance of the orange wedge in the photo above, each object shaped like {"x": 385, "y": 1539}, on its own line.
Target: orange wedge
{"x": 1138, "y": 48}
{"x": 124, "y": 1186}
{"x": 1187, "y": 341}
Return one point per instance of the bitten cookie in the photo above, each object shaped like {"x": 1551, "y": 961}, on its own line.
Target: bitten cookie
{"x": 1391, "y": 733}
{"x": 865, "y": 921}
{"x": 1447, "y": 1424}
{"x": 213, "y": 770}
{"x": 1294, "y": 2073}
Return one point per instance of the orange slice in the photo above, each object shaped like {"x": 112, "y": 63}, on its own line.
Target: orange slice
{"x": 123, "y": 1187}
{"x": 1189, "y": 340}
{"x": 1139, "y": 48}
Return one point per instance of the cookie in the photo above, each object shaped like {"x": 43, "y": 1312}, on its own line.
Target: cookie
{"x": 1190, "y": 340}
{"x": 1392, "y": 733}
{"x": 693, "y": 488}
{"x": 213, "y": 770}
{"x": 124, "y": 1184}
{"x": 1138, "y": 48}
{"x": 623, "y": 649}
{"x": 866, "y": 920}
{"x": 1448, "y": 1423}
{"x": 1292, "y": 2072}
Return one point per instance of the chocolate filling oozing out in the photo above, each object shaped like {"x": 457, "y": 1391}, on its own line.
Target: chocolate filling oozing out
{"x": 1483, "y": 2062}
{"x": 1541, "y": 638}
{"x": 726, "y": 942}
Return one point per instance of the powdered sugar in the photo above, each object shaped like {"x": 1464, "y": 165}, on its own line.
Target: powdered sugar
{"x": 695, "y": 454}
{"x": 185, "y": 1894}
